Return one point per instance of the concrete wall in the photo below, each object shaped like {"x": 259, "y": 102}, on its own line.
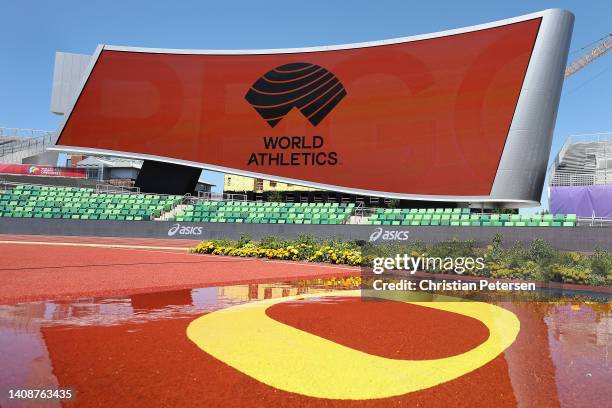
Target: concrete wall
{"x": 47, "y": 158}
{"x": 579, "y": 238}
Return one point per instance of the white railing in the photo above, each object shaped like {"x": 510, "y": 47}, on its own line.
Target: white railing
{"x": 589, "y": 137}
{"x": 210, "y": 196}
{"x": 582, "y": 138}
{"x": 594, "y": 222}
{"x": 110, "y": 188}
{"x": 359, "y": 210}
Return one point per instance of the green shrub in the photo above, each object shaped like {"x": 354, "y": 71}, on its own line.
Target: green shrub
{"x": 541, "y": 252}
{"x": 275, "y": 196}
{"x": 244, "y": 240}
{"x": 601, "y": 263}
{"x": 393, "y": 203}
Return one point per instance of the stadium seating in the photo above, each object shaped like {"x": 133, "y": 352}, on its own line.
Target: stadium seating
{"x": 266, "y": 212}
{"x": 25, "y": 201}
{"x": 463, "y": 217}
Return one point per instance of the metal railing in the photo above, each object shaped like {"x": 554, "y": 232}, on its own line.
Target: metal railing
{"x": 99, "y": 188}
{"x": 24, "y": 133}
{"x": 594, "y": 222}
{"x": 210, "y": 196}
{"x": 110, "y": 188}
{"x": 582, "y": 138}
{"x": 359, "y": 209}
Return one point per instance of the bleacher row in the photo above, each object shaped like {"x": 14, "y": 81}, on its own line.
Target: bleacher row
{"x": 26, "y": 201}
{"x": 267, "y": 212}
{"x": 463, "y": 217}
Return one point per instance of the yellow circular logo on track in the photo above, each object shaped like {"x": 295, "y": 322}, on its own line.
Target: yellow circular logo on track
{"x": 292, "y": 360}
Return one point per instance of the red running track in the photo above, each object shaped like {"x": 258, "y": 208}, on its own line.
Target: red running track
{"x": 177, "y": 243}
{"x": 32, "y": 272}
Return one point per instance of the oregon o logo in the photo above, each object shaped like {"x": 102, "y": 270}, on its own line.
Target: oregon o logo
{"x": 308, "y": 87}
{"x": 240, "y": 336}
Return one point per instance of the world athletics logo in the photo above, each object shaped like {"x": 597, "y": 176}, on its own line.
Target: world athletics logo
{"x": 308, "y": 87}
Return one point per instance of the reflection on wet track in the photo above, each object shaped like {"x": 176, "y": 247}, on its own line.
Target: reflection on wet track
{"x": 133, "y": 350}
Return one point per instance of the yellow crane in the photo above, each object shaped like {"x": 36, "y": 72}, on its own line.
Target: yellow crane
{"x": 604, "y": 45}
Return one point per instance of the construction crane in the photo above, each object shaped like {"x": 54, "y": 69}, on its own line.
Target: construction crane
{"x": 604, "y": 45}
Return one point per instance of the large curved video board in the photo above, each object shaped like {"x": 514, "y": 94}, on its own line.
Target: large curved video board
{"x": 463, "y": 115}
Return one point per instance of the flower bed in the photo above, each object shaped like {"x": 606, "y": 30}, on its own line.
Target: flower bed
{"x": 304, "y": 248}
{"x": 538, "y": 262}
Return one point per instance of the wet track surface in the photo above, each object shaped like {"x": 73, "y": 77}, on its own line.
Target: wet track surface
{"x": 132, "y": 350}
{"x": 67, "y": 268}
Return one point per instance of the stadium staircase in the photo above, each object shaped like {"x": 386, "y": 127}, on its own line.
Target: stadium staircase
{"x": 357, "y": 220}
{"x": 171, "y": 215}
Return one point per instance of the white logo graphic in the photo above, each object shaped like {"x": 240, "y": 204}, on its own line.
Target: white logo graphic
{"x": 184, "y": 230}
{"x": 388, "y": 235}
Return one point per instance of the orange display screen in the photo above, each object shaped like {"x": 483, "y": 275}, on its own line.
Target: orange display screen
{"x": 426, "y": 117}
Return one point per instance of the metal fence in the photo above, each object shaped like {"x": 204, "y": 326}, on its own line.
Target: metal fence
{"x": 24, "y": 133}
{"x": 110, "y": 188}
{"x": 210, "y": 196}
{"x": 594, "y": 222}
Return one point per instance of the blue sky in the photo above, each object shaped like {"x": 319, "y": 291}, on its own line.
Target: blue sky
{"x": 32, "y": 31}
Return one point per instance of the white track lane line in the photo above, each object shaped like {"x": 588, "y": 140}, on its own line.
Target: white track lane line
{"x": 161, "y": 248}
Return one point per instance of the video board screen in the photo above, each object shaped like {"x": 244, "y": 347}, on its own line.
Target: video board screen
{"x": 424, "y": 117}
